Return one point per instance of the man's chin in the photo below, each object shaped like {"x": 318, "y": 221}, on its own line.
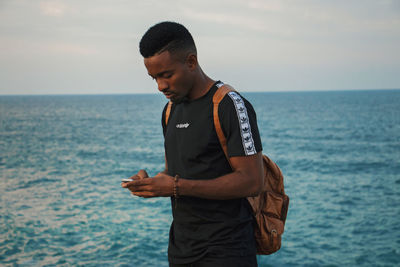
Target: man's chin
{"x": 178, "y": 100}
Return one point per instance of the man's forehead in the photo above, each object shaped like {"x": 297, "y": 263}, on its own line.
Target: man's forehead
{"x": 161, "y": 62}
{"x": 158, "y": 64}
{"x": 163, "y": 58}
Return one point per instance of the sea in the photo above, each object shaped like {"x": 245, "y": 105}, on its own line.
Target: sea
{"x": 62, "y": 158}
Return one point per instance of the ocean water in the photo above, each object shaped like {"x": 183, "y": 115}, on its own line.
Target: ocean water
{"x": 62, "y": 159}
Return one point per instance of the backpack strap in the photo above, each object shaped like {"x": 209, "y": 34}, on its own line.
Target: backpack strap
{"x": 168, "y": 112}
{"x": 217, "y": 98}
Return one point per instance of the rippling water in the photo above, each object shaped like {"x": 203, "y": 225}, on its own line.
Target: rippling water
{"x": 62, "y": 159}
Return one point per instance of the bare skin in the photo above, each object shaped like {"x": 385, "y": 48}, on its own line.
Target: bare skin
{"x": 177, "y": 78}
{"x": 181, "y": 78}
{"x": 244, "y": 181}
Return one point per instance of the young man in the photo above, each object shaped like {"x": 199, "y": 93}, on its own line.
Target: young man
{"x": 212, "y": 220}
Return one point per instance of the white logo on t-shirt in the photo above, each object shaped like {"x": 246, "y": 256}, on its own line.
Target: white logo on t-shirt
{"x": 182, "y": 125}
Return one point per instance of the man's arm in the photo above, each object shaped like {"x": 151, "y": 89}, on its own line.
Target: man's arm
{"x": 246, "y": 180}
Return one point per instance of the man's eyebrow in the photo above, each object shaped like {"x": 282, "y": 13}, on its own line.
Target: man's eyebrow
{"x": 160, "y": 73}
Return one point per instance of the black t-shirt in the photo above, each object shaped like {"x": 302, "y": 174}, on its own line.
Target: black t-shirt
{"x": 220, "y": 228}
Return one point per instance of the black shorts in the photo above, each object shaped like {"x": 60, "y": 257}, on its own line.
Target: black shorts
{"x": 248, "y": 261}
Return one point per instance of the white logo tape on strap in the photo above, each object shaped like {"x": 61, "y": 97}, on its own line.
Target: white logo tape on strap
{"x": 245, "y": 129}
{"x": 219, "y": 84}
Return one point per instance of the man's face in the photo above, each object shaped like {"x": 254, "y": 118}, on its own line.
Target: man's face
{"x": 173, "y": 75}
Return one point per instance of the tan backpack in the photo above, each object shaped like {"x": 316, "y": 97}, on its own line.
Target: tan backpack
{"x": 270, "y": 207}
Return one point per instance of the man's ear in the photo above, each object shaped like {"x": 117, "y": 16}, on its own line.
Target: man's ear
{"x": 191, "y": 61}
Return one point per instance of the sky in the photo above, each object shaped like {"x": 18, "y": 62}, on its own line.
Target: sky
{"x": 91, "y": 47}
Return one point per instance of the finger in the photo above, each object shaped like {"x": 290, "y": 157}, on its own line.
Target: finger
{"x": 125, "y": 184}
{"x": 143, "y": 174}
{"x": 145, "y": 194}
{"x": 135, "y": 177}
{"x": 144, "y": 188}
{"x": 140, "y": 182}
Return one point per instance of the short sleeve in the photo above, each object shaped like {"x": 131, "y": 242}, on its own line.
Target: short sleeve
{"x": 164, "y": 125}
{"x": 239, "y": 124}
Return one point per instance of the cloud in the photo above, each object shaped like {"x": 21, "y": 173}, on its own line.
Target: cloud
{"x": 52, "y": 8}
{"x": 226, "y": 19}
{"x": 271, "y": 6}
{"x": 238, "y": 39}
{"x": 71, "y": 49}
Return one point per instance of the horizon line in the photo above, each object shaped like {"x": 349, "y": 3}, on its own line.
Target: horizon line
{"x": 243, "y": 92}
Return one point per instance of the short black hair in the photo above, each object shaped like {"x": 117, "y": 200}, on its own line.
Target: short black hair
{"x": 166, "y": 36}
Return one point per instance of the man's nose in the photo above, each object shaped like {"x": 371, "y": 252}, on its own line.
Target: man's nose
{"x": 162, "y": 85}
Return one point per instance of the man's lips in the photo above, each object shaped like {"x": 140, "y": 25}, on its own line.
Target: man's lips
{"x": 168, "y": 95}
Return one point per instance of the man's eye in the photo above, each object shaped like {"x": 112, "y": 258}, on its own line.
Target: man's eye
{"x": 167, "y": 75}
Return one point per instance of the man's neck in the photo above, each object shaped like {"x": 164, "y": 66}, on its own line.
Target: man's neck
{"x": 201, "y": 86}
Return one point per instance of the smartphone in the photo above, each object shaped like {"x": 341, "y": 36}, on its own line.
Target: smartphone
{"x": 126, "y": 180}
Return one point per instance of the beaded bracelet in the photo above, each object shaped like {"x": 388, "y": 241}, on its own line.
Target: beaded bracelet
{"x": 176, "y": 188}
